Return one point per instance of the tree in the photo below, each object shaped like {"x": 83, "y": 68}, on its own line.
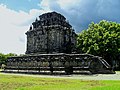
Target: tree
{"x": 102, "y": 39}
{"x": 3, "y": 57}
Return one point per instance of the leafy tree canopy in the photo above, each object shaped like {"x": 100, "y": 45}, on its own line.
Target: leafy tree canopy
{"x": 102, "y": 39}
{"x": 3, "y": 57}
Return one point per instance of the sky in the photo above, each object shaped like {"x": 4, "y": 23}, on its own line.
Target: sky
{"x": 16, "y": 17}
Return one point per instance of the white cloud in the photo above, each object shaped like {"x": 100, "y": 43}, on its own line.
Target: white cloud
{"x": 45, "y": 4}
{"x": 80, "y": 13}
{"x": 13, "y": 26}
{"x": 68, "y": 4}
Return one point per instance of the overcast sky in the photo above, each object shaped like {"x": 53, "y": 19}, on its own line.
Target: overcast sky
{"x": 17, "y": 15}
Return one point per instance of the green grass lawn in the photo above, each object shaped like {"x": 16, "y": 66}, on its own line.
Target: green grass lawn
{"x": 13, "y": 82}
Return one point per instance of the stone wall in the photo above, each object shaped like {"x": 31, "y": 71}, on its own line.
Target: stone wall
{"x": 61, "y": 63}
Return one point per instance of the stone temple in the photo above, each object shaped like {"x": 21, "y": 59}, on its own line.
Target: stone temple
{"x": 51, "y": 49}
{"x": 51, "y": 34}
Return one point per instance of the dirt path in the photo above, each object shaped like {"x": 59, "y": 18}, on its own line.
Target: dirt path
{"x": 81, "y": 77}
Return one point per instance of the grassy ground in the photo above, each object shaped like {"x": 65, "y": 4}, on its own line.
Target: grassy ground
{"x": 13, "y": 82}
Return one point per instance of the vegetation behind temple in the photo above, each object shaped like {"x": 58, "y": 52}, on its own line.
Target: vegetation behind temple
{"x": 102, "y": 39}
{"x": 3, "y": 57}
